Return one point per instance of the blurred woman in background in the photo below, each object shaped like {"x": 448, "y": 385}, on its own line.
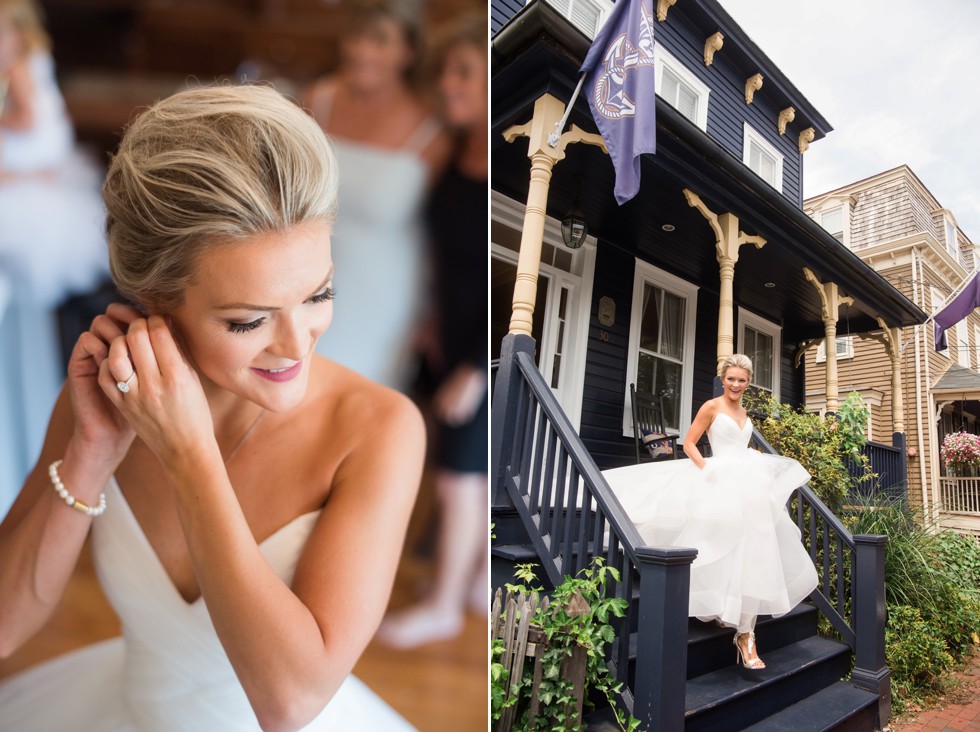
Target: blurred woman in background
{"x": 389, "y": 146}
{"x": 457, "y": 216}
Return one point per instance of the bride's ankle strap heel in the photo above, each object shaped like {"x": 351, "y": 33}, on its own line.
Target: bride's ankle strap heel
{"x": 753, "y": 664}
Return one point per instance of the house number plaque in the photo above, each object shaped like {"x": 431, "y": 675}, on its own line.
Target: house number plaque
{"x": 607, "y": 311}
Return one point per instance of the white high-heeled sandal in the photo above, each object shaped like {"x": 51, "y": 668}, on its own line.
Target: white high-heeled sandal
{"x": 753, "y": 664}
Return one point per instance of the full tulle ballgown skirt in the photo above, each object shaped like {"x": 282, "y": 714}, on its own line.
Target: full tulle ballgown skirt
{"x": 750, "y": 559}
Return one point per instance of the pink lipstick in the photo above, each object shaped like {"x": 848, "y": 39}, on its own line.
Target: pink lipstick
{"x": 278, "y": 375}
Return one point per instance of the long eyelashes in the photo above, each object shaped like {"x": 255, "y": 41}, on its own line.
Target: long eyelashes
{"x": 233, "y": 327}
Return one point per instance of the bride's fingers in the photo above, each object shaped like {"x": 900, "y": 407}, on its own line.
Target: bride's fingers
{"x": 122, "y": 313}
{"x": 169, "y": 353}
{"x": 120, "y": 365}
{"x": 109, "y": 384}
{"x": 141, "y": 350}
{"x": 106, "y": 328}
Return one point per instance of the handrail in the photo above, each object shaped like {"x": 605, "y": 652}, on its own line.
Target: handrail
{"x": 851, "y": 588}
{"x": 571, "y": 515}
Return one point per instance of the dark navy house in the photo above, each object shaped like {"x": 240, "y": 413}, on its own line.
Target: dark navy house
{"x": 713, "y": 256}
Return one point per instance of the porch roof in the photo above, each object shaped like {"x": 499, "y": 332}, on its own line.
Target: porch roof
{"x": 958, "y": 380}
{"x": 539, "y": 52}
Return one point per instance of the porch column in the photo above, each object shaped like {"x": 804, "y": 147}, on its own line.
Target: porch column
{"x": 892, "y": 340}
{"x": 831, "y": 300}
{"x": 548, "y": 110}
{"x": 728, "y": 239}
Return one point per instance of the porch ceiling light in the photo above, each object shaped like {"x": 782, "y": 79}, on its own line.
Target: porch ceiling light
{"x": 668, "y": 228}
{"x": 574, "y": 229}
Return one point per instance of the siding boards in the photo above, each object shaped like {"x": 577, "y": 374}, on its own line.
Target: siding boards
{"x": 501, "y": 11}
{"x": 727, "y": 110}
{"x": 605, "y": 365}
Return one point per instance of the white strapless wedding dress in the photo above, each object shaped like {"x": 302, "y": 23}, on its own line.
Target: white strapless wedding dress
{"x": 168, "y": 671}
{"x": 750, "y": 559}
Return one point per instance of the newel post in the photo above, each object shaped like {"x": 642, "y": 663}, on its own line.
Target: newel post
{"x": 661, "y": 653}
{"x": 504, "y": 413}
{"x": 870, "y": 670}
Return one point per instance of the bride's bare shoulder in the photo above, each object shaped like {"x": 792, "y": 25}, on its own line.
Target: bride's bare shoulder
{"x": 353, "y": 404}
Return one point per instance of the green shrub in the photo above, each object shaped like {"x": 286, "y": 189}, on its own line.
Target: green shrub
{"x": 960, "y": 557}
{"x": 915, "y": 653}
{"x": 820, "y": 445}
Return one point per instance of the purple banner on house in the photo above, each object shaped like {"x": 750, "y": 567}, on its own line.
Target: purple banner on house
{"x": 957, "y": 310}
{"x": 620, "y": 88}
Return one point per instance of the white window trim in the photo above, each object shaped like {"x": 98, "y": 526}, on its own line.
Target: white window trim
{"x": 747, "y": 318}
{"x": 963, "y": 344}
{"x": 976, "y": 348}
{"x": 749, "y": 135}
{"x": 662, "y": 59}
{"x": 645, "y": 272}
{"x": 510, "y": 212}
{"x": 939, "y": 300}
{"x": 603, "y": 6}
{"x": 848, "y": 353}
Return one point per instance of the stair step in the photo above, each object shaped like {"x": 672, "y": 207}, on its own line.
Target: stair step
{"x": 515, "y": 552}
{"x": 838, "y": 708}
{"x": 709, "y": 647}
{"x": 733, "y": 698}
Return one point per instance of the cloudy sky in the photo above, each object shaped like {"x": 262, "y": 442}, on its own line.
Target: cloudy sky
{"x": 895, "y": 79}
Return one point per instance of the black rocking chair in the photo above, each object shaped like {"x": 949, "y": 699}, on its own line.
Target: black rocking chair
{"x": 650, "y": 427}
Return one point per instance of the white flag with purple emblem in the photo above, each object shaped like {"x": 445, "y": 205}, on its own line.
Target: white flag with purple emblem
{"x": 620, "y": 86}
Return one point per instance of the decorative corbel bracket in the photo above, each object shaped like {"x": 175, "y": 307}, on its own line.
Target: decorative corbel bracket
{"x": 714, "y": 43}
{"x": 728, "y": 237}
{"x": 806, "y": 137}
{"x": 752, "y": 85}
{"x": 785, "y": 117}
{"x": 662, "y": 7}
{"x": 804, "y": 347}
{"x": 830, "y": 297}
{"x": 547, "y": 111}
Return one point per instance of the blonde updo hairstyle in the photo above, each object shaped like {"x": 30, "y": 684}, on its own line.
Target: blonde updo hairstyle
{"x": 736, "y": 360}
{"x": 209, "y": 167}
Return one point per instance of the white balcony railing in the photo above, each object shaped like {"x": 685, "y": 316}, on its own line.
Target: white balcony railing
{"x": 960, "y": 495}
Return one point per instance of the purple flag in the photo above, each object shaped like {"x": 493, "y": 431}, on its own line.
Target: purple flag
{"x": 960, "y": 306}
{"x": 620, "y": 87}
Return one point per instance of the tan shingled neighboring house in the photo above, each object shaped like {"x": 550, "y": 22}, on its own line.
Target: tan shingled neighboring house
{"x": 896, "y": 225}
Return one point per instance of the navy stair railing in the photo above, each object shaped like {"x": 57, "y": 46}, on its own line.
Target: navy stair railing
{"x": 571, "y": 515}
{"x": 851, "y": 585}
{"x": 542, "y": 468}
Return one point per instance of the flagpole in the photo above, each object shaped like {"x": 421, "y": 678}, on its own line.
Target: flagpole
{"x": 959, "y": 288}
{"x": 555, "y": 136}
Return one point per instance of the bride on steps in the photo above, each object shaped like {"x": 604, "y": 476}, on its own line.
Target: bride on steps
{"x": 731, "y": 507}
{"x": 246, "y": 525}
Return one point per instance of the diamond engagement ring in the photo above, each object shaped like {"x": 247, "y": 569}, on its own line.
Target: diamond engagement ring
{"x": 123, "y": 386}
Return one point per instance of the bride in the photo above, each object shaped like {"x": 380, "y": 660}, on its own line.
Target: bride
{"x": 731, "y": 507}
{"x": 246, "y": 519}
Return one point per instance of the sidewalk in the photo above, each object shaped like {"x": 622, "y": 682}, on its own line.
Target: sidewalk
{"x": 952, "y": 716}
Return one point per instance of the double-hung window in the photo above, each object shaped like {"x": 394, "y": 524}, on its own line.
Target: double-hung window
{"x": 760, "y": 341}
{"x": 586, "y": 15}
{"x": 661, "y": 350}
{"x": 680, "y": 88}
{"x": 762, "y": 158}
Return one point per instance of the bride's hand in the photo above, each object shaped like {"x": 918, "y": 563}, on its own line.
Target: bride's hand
{"x": 100, "y": 427}
{"x": 165, "y": 403}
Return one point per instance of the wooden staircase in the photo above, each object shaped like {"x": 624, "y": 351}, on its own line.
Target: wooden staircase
{"x": 550, "y": 500}
{"x": 800, "y": 690}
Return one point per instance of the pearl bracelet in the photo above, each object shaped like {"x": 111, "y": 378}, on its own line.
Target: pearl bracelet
{"x": 68, "y": 498}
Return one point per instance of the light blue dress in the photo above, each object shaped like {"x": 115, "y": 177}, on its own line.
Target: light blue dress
{"x": 379, "y": 254}
{"x": 52, "y": 245}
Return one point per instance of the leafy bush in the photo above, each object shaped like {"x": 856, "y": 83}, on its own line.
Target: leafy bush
{"x": 579, "y": 614}
{"x": 933, "y": 618}
{"x": 916, "y": 654}
{"x": 853, "y": 416}
{"x": 960, "y": 556}
{"x": 820, "y": 445}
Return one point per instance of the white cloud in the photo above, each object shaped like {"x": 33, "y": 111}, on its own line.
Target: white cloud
{"x": 894, "y": 79}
